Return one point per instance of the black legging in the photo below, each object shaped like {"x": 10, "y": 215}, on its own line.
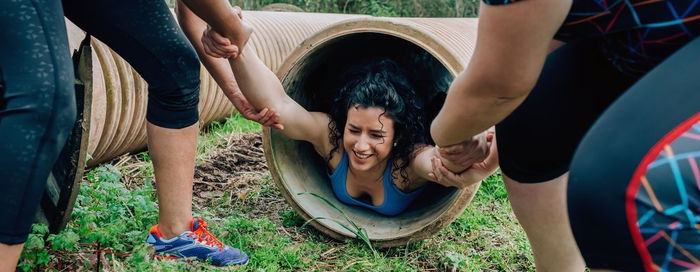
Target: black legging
{"x": 633, "y": 192}
{"x": 537, "y": 140}
{"x": 37, "y": 103}
{"x": 146, "y": 35}
{"x": 37, "y": 109}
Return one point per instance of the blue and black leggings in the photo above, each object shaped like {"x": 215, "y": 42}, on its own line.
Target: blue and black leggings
{"x": 634, "y": 186}
{"x": 37, "y": 102}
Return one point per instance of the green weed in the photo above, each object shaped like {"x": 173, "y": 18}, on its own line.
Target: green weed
{"x": 108, "y": 219}
{"x": 360, "y": 233}
{"x": 290, "y": 218}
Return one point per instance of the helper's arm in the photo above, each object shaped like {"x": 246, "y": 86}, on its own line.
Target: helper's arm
{"x": 219, "y": 68}
{"x": 511, "y": 48}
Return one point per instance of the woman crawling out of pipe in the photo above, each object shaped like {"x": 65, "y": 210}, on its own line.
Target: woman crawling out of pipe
{"x": 373, "y": 140}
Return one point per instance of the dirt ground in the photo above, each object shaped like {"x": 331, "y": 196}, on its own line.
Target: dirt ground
{"x": 240, "y": 171}
{"x": 237, "y": 169}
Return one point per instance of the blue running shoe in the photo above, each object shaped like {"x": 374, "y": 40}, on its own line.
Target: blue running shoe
{"x": 197, "y": 243}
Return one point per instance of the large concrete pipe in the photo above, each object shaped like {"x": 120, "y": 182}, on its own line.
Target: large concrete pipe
{"x": 433, "y": 51}
{"x": 117, "y": 123}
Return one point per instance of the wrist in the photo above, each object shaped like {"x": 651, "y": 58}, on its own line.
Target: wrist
{"x": 454, "y": 168}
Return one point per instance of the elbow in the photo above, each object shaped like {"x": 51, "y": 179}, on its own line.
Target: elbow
{"x": 441, "y": 133}
{"x": 436, "y": 133}
{"x": 499, "y": 84}
{"x": 506, "y": 98}
{"x": 503, "y": 92}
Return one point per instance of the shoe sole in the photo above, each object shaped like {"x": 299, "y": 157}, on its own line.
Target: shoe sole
{"x": 170, "y": 257}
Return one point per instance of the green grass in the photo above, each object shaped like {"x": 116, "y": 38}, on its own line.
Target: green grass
{"x": 114, "y": 218}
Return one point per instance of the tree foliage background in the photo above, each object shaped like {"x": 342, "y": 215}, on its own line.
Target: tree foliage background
{"x": 391, "y": 8}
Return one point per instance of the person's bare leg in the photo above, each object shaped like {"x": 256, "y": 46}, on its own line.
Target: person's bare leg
{"x": 541, "y": 210}
{"x": 173, "y": 153}
{"x": 9, "y": 255}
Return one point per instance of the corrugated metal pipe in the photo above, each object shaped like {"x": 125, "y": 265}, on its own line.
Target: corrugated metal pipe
{"x": 433, "y": 51}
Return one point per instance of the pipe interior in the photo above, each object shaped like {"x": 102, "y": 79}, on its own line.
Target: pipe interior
{"x": 302, "y": 170}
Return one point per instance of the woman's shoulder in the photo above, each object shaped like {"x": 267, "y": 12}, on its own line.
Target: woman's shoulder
{"x": 403, "y": 176}
{"x": 335, "y": 159}
{"x": 333, "y": 156}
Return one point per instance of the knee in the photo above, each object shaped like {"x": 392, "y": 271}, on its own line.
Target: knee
{"x": 189, "y": 67}
{"x": 173, "y": 103}
{"x": 178, "y": 68}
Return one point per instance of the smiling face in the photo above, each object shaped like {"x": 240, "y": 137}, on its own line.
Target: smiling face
{"x": 368, "y": 138}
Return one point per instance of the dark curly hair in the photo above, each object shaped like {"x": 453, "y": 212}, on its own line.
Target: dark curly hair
{"x": 382, "y": 84}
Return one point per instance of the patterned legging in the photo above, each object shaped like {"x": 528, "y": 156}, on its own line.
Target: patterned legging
{"x": 634, "y": 186}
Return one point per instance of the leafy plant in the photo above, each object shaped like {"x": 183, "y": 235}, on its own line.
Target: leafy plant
{"x": 291, "y": 218}
{"x": 359, "y": 232}
{"x": 33, "y": 256}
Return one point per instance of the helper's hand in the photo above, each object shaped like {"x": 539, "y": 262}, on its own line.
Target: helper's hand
{"x": 477, "y": 172}
{"x": 218, "y": 46}
{"x": 461, "y": 156}
{"x": 266, "y": 117}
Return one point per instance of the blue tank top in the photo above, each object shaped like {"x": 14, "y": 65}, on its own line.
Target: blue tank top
{"x": 395, "y": 201}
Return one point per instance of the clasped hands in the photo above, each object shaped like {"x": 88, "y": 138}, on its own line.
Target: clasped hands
{"x": 218, "y": 46}
{"x": 465, "y": 163}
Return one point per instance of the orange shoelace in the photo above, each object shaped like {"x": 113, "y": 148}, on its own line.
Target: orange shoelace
{"x": 202, "y": 234}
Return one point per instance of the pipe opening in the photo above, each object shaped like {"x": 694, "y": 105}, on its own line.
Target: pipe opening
{"x": 300, "y": 169}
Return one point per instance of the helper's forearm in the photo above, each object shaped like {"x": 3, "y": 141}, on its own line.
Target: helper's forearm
{"x": 219, "y": 68}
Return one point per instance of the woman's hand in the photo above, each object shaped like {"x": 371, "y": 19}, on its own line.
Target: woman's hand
{"x": 266, "y": 117}
{"x": 461, "y": 156}
{"x": 477, "y": 172}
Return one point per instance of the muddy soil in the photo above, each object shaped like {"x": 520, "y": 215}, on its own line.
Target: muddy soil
{"x": 239, "y": 175}
{"x": 237, "y": 169}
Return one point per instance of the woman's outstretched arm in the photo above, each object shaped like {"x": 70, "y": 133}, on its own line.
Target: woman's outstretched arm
{"x": 263, "y": 89}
